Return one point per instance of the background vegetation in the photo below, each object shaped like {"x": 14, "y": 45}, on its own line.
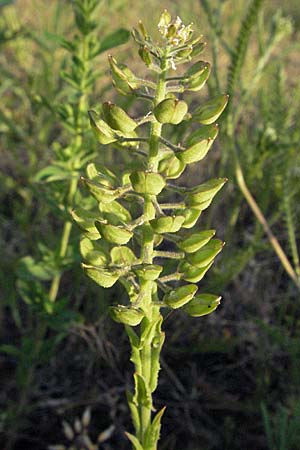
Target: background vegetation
{"x": 231, "y": 381}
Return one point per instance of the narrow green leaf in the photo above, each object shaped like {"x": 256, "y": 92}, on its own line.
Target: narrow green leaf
{"x": 114, "y": 39}
{"x": 136, "y": 443}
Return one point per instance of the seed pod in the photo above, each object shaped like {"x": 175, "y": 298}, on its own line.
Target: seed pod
{"x": 184, "y": 53}
{"x": 198, "y": 49}
{"x": 100, "y": 192}
{"x": 102, "y": 131}
{"x": 147, "y": 182}
{"x": 180, "y": 296}
{"x": 196, "y": 152}
{"x": 170, "y": 110}
{"x": 122, "y": 256}
{"x": 94, "y": 253}
{"x": 114, "y": 234}
{"x": 114, "y": 212}
{"x": 101, "y": 174}
{"x": 192, "y": 273}
{"x": 123, "y": 79}
{"x": 202, "y": 305}
{"x": 148, "y": 272}
{"x": 167, "y": 224}
{"x": 201, "y": 258}
{"x": 210, "y": 112}
{"x": 205, "y": 192}
{"x": 117, "y": 118}
{"x": 171, "y": 166}
{"x": 127, "y": 315}
{"x": 196, "y": 76}
{"x": 203, "y": 133}
{"x": 191, "y": 216}
{"x": 145, "y": 55}
{"x": 196, "y": 241}
{"x": 102, "y": 276}
{"x": 86, "y": 222}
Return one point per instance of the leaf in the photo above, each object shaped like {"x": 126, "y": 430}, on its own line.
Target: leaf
{"x": 54, "y": 173}
{"x": 134, "y": 412}
{"x": 142, "y": 394}
{"x": 28, "y": 268}
{"x": 136, "y": 443}
{"x": 153, "y": 431}
{"x": 112, "y": 40}
{"x": 9, "y": 350}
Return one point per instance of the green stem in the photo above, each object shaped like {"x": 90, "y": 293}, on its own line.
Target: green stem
{"x": 148, "y": 364}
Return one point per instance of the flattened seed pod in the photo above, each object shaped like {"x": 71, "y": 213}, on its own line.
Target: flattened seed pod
{"x": 101, "y": 275}
{"x": 211, "y": 111}
{"x": 147, "y": 182}
{"x": 202, "y": 304}
{"x": 196, "y": 241}
{"x": 180, "y": 296}
{"x": 205, "y": 192}
{"x": 148, "y": 272}
{"x": 113, "y": 233}
{"x": 167, "y": 224}
{"x": 192, "y": 273}
{"x": 170, "y": 110}
{"x": 196, "y": 76}
{"x": 127, "y": 315}
{"x": 117, "y": 118}
{"x": 101, "y": 129}
{"x": 191, "y": 216}
{"x": 201, "y": 258}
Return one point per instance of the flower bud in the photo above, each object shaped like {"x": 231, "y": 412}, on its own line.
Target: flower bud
{"x": 167, "y": 224}
{"x": 201, "y": 258}
{"x": 147, "y": 182}
{"x": 196, "y": 76}
{"x": 202, "y": 305}
{"x": 170, "y": 110}
{"x": 113, "y": 233}
{"x": 196, "y": 241}
{"x": 117, "y": 118}
{"x": 192, "y": 273}
{"x": 102, "y": 276}
{"x": 210, "y": 112}
{"x": 102, "y": 131}
{"x": 180, "y": 296}
{"x": 127, "y": 315}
